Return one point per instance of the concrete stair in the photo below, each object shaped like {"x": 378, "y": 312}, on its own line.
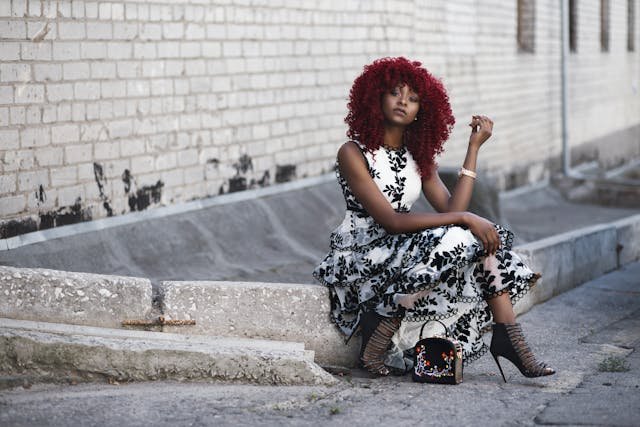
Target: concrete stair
{"x": 52, "y": 350}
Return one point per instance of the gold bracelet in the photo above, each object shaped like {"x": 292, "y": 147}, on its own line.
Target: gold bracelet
{"x": 467, "y": 172}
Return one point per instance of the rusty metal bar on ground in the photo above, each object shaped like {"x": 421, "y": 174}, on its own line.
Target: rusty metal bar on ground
{"x": 160, "y": 321}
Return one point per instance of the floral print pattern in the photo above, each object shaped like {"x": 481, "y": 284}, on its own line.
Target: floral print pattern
{"x": 433, "y": 274}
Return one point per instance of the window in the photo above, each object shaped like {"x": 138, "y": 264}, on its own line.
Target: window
{"x": 573, "y": 25}
{"x": 526, "y": 25}
{"x": 604, "y": 25}
{"x": 631, "y": 19}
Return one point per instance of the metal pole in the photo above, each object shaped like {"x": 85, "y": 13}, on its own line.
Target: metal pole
{"x": 564, "y": 27}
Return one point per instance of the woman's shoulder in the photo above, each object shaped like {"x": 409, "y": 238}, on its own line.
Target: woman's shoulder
{"x": 352, "y": 151}
{"x": 354, "y": 143}
{"x": 352, "y": 147}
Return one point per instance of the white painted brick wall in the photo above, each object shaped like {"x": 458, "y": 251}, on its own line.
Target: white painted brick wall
{"x": 178, "y": 91}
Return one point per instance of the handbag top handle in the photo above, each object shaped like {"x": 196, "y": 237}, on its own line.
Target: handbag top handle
{"x": 446, "y": 331}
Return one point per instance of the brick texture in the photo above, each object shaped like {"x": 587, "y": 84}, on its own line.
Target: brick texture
{"x": 113, "y": 106}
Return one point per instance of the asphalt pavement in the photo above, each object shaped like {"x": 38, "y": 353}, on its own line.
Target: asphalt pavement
{"x": 589, "y": 335}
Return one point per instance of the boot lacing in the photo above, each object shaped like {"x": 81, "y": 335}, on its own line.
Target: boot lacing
{"x": 529, "y": 362}
{"x": 373, "y": 355}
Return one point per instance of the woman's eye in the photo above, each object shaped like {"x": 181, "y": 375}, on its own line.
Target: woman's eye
{"x": 414, "y": 99}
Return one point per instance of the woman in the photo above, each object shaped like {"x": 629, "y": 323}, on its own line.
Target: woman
{"x": 388, "y": 266}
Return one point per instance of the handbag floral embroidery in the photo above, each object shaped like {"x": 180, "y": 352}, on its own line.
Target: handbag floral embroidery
{"x": 437, "y": 359}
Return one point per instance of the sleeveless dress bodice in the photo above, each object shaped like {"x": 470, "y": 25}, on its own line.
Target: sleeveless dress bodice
{"x": 394, "y": 172}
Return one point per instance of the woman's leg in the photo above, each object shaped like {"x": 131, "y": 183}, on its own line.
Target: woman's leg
{"x": 502, "y": 309}
{"x": 376, "y": 337}
{"x": 507, "y": 339}
{"x": 500, "y": 306}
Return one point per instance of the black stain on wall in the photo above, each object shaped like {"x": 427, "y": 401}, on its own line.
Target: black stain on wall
{"x": 16, "y": 227}
{"x": 237, "y": 183}
{"x": 243, "y": 165}
{"x": 285, "y": 173}
{"x": 240, "y": 181}
{"x": 141, "y": 198}
{"x": 40, "y": 194}
{"x": 47, "y": 220}
{"x": 62, "y": 216}
{"x": 127, "y": 179}
{"x": 72, "y": 214}
{"x": 264, "y": 181}
{"x": 101, "y": 180}
{"x": 145, "y": 196}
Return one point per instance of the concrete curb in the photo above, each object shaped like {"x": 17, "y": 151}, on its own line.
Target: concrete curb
{"x": 283, "y": 312}
{"x": 628, "y": 230}
{"x": 567, "y": 260}
{"x": 56, "y": 349}
{"x": 275, "y": 311}
{"x": 300, "y": 312}
{"x": 74, "y": 298}
{"x": 570, "y": 259}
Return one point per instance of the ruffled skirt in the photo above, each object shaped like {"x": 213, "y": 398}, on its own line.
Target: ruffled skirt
{"x": 440, "y": 273}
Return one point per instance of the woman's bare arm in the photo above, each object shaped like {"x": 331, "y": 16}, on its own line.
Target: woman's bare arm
{"x": 434, "y": 189}
{"x": 438, "y": 195}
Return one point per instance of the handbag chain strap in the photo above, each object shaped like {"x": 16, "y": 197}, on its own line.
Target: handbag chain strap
{"x": 446, "y": 331}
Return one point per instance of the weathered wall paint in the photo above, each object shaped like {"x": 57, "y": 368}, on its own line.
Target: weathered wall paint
{"x": 113, "y": 107}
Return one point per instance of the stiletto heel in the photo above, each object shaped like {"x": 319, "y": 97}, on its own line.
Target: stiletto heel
{"x": 495, "y": 357}
{"x": 508, "y": 341}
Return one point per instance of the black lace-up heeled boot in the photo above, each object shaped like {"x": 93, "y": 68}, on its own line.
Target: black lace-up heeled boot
{"x": 376, "y": 335}
{"x": 508, "y": 341}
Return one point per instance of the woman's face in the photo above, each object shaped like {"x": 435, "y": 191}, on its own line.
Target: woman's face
{"x": 400, "y": 105}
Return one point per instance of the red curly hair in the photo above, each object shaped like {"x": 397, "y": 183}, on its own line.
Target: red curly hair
{"x": 425, "y": 136}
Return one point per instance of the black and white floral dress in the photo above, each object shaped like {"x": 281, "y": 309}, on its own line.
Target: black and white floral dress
{"x": 438, "y": 273}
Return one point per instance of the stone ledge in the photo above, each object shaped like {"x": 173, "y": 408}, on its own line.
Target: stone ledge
{"x": 300, "y": 312}
{"x": 628, "y": 230}
{"x": 568, "y": 260}
{"x": 275, "y": 311}
{"x": 74, "y": 298}
{"x": 51, "y": 349}
{"x": 283, "y": 312}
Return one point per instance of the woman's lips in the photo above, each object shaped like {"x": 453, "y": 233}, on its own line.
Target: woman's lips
{"x": 399, "y": 111}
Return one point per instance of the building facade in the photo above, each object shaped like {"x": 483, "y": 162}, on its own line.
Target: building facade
{"x": 109, "y": 107}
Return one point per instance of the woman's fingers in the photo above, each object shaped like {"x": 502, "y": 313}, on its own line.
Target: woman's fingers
{"x": 494, "y": 244}
{"x": 481, "y": 122}
{"x": 475, "y": 123}
{"x": 486, "y": 245}
{"x": 487, "y": 234}
{"x": 496, "y": 239}
{"x": 491, "y": 241}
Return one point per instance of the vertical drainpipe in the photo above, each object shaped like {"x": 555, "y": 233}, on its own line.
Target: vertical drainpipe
{"x": 564, "y": 49}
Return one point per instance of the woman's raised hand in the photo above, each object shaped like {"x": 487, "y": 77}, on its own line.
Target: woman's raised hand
{"x": 484, "y": 230}
{"x": 481, "y": 128}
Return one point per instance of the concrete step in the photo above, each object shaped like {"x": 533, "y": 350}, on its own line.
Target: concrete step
{"x": 76, "y": 298}
{"x": 281, "y": 311}
{"x": 53, "y": 349}
{"x": 301, "y": 312}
